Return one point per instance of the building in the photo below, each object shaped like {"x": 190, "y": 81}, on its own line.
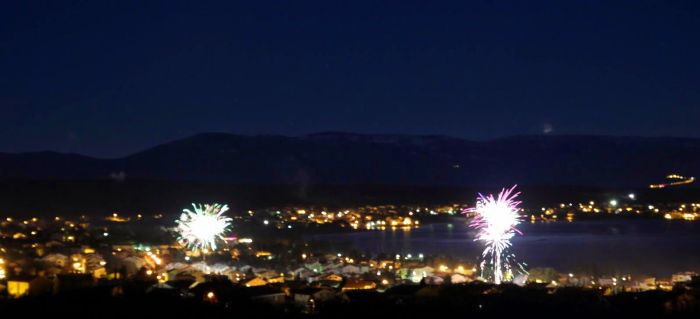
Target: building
{"x": 255, "y": 282}
{"x": 359, "y": 285}
{"x": 459, "y": 279}
{"x": 267, "y": 294}
{"x": 683, "y": 277}
{"x": 303, "y": 297}
{"x": 18, "y": 286}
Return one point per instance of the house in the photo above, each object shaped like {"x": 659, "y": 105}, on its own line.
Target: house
{"x": 268, "y": 274}
{"x": 417, "y": 274}
{"x": 331, "y": 280}
{"x": 18, "y": 286}
{"x": 255, "y": 282}
{"x": 359, "y": 285}
{"x": 683, "y": 277}
{"x": 123, "y": 247}
{"x": 218, "y": 268}
{"x": 176, "y": 270}
{"x": 389, "y": 264}
{"x": 215, "y": 291}
{"x": 246, "y": 269}
{"x": 646, "y": 283}
{"x": 364, "y": 268}
{"x": 333, "y": 268}
{"x": 57, "y": 260}
{"x": 267, "y": 294}
{"x": 433, "y": 280}
{"x": 664, "y": 285}
{"x": 650, "y": 281}
{"x": 234, "y": 275}
{"x": 276, "y": 280}
{"x": 303, "y": 273}
{"x": 606, "y": 282}
{"x": 332, "y": 277}
{"x": 302, "y": 297}
{"x": 100, "y": 272}
{"x": 316, "y": 267}
{"x": 131, "y": 264}
{"x": 350, "y": 270}
{"x": 459, "y": 279}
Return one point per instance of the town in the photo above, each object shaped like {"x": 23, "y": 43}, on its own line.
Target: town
{"x": 266, "y": 259}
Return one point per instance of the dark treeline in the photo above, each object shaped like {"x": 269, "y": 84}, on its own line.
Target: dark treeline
{"x": 95, "y": 197}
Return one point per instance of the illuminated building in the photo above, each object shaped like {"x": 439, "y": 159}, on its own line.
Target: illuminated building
{"x": 17, "y": 287}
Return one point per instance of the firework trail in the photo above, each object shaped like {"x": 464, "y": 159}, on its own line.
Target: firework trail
{"x": 495, "y": 220}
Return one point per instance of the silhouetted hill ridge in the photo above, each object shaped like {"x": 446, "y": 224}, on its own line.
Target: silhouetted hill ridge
{"x": 338, "y": 158}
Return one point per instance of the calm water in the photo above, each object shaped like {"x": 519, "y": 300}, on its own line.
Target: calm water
{"x": 657, "y": 247}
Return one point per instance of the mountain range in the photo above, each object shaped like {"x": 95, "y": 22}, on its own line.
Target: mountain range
{"x": 333, "y": 158}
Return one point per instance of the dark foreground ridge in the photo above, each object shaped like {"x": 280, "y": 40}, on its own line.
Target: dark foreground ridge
{"x": 219, "y": 299}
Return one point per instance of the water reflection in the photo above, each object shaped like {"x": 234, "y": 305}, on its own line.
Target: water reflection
{"x": 635, "y": 246}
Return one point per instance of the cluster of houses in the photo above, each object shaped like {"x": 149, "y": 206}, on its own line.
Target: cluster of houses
{"x": 610, "y": 285}
{"x": 306, "y": 283}
{"x": 314, "y": 280}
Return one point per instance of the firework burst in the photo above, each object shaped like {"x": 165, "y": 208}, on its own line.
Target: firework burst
{"x": 201, "y": 227}
{"x": 495, "y": 220}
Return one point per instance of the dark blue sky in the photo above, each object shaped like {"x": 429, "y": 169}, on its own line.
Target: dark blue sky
{"x": 109, "y": 78}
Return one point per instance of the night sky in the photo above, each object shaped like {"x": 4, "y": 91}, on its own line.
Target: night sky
{"x": 107, "y": 79}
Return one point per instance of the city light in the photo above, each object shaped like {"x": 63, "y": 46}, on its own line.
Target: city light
{"x": 675, "y": 181}
{"x": 2, "y": 269}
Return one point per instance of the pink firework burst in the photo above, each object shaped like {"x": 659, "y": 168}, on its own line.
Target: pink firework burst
{"x": 495, "y": 220}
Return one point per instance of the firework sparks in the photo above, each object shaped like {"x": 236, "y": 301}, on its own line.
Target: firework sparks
{"x": 495, "y": 220}
{"x": 202, "y": 227}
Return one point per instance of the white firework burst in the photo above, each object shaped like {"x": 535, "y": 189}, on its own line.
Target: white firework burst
{"x": 495, "y": 221}
{"x": 201, "y": 227}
